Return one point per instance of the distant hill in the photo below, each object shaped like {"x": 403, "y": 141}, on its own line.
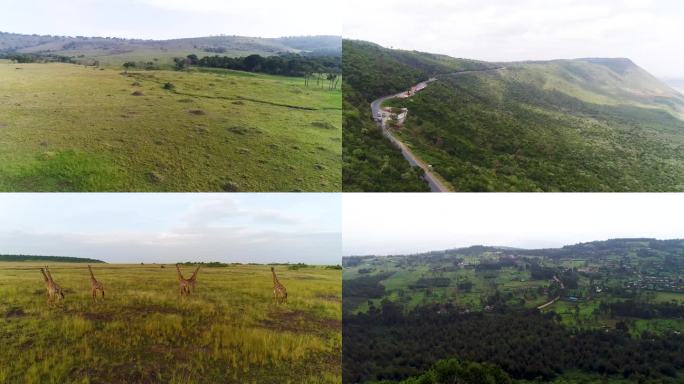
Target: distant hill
{"x": 54, "y": 259}
{"x": 116, "y": 50}
{"x": 591, "y": 249}
{"x": 590, "y": 124}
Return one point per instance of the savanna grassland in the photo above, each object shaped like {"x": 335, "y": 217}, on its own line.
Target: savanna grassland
{"x": 65, "y": 127}
{"x": 229, "y": 330}
{"x": 605, "y": 311}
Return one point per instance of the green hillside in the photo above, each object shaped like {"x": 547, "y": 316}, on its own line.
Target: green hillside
{"x": 564, "y": 125}
{"x": 371, "y": 163}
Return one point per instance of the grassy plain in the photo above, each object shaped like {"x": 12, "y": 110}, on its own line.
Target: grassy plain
{"x": 229, "y": 330}
{"x": 65, "y": 127}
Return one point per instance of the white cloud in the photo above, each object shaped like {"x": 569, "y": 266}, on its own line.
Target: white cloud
{"x": 174, "y": 227}
{"x": 645, "y": 31}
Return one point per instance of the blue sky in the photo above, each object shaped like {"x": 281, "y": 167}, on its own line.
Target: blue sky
{"x": 130, "y": 228}
{"x": 646, "y": 31}
{"x": 163, "y": 19}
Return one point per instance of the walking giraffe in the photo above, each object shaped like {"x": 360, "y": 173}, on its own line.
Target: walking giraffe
{"x": 183, "y": 282}
{"x": 193, "y": 279}
{"x": 279, "y": 291}
{"x": 54, "y": 291}
{"x": 95, "y": 285}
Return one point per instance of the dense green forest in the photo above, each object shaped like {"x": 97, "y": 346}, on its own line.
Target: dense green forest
{"x": 450, "y": 371}
{"x": 388, "y": 344}
{"x": 371, "y": 162}
{"x": 565, "y": 125}
{"x": 53, "y": 259}
{"x": 603, "y": 310}
{"x": 284, "y": 65}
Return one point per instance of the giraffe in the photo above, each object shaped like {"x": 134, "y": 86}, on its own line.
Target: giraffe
{"x": 95, "y": 285}
{"x": 279, "y": 291}
{"x": 54, "y": 290}
{"x": 184, "y": 283}
{"x": 193, "y": 279}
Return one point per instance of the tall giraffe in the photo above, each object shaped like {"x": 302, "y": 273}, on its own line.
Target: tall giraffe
{"x": 54, "y": 290}
{"x": 279, "y": 291}
{"x": 184, "y": 283}
{"x": 193, "y": 279}
{"x": 95, "y": 285}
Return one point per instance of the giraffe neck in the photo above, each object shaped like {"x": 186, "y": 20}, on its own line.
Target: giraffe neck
{"x": 91, "y": 273}
{"x": 180, "y": 275}
{"x": 49, "y": 275}
{"x": 44, "y": 276}
{"x": 194, "y": 273}
{"x": 275, "y": 278}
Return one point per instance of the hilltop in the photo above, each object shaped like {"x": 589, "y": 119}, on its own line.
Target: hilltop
{"x": 588, "y": 124}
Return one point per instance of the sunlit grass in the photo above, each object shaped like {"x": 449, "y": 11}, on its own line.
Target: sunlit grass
{"x": 65, "y": 127}
{"x": 229, "y": 330}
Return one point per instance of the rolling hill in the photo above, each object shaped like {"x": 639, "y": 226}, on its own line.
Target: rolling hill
{"x": 115, "y": 51}
{"x": 590, "y": 124}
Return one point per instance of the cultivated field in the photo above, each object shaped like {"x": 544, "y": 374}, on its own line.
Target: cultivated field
{"x": 229, "y": 330}
{"x": 65, "y": 127}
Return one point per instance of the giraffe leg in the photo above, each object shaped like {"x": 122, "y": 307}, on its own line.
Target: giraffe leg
{"x": 103, "y": 293}
{"x": 94, "y": 291}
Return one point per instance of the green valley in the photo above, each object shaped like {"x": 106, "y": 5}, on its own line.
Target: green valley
{"x": 541, "y": 315}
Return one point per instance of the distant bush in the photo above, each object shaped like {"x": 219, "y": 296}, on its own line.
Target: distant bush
{"x": 169, "y": 86}
{"x": 297, "y": 266}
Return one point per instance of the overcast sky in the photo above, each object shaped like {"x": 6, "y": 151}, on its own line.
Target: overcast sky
{"x": 163, "y": 19}
{"x": 402, "y": 223}
{"x": 133, "y": 228}
{"x": 646, "y": 31}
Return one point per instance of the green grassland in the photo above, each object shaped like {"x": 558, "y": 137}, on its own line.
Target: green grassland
{"x": 70, "y": 128}
{"x": 228, "y": 331}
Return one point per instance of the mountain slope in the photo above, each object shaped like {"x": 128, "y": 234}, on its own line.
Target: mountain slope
{"x": 564, "y": 125}
{"x": 371, "y": 163}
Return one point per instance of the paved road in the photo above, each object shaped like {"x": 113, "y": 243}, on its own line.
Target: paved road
{"x": 436, "y": 185}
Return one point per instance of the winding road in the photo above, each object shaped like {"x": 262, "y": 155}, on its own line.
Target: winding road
{"x": 435, "y": 183}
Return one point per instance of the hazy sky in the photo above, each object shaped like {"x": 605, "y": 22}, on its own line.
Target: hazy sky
{"x": 647, "y": 31}
{"x": 132, "y": 228}
{"x": 162, "y": 19}
{"x": 403, "y": 223}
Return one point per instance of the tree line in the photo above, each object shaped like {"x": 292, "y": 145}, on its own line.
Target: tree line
{"x": 320, "y": 69}
{"x": 63, "y": 259}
